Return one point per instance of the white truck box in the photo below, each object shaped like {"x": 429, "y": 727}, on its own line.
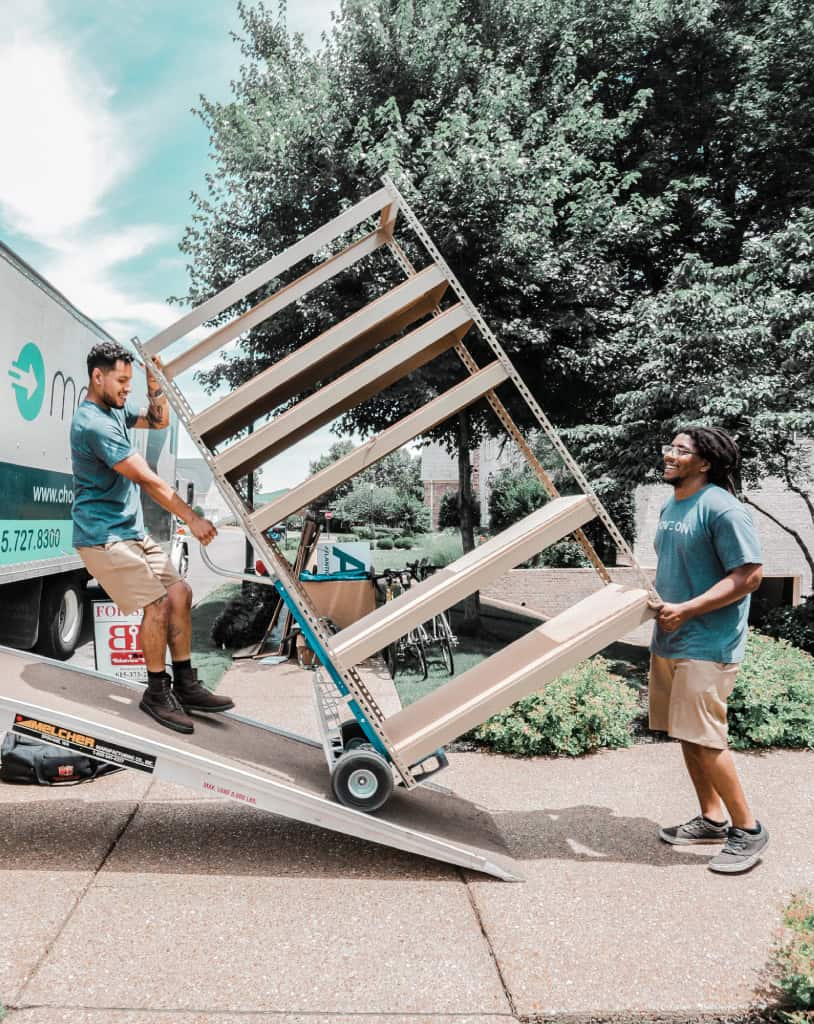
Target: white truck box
{"x": 44, "y": 342}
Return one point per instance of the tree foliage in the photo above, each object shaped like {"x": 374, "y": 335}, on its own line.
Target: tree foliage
{"x": 622, "y": 189}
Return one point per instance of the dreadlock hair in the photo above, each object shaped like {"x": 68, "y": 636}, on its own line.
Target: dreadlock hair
{"x": 721, "y": 452}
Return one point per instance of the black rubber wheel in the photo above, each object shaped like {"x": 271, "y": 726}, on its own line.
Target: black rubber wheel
{"x": 416, "y": 659}
{"x": 362, "y": 779}
{"x": 446, "y": 654}
{"x": 353, "y": 735}
{"x": 62, "y": 608}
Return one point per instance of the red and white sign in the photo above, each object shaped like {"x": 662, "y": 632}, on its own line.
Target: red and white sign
{"x": 116, "y": 642}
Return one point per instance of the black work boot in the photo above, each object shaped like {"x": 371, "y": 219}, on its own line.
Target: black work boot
{"x": 160, "y": 703}
{"x": 195, "y": 697}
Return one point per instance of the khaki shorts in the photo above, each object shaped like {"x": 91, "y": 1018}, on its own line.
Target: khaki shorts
{"x": 688, "y": 699}
{"x": 133, "y": 572}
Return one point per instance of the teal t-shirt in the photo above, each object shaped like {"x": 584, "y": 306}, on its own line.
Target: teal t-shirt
{"x": 106, "y": 505}
{"x": 699, "y": 541}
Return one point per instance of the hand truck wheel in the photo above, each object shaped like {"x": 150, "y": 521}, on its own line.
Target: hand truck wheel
{"x": 353, "y": 735}
{"x": 362, "y": 779}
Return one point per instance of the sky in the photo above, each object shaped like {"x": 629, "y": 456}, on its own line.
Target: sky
{"x": 101, "y": 152}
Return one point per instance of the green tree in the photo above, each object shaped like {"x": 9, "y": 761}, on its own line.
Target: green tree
{"x": 732, "y": 346}
{"x": 565, "y": 157}
{"x": 337, "y": 451}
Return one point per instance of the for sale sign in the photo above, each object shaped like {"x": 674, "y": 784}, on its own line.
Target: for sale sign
{"x": 116, "y": 642}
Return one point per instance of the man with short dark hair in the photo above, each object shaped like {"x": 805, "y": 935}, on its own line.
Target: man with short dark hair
{"x": 110, "y": 538}
{"x": 709, "y": 562}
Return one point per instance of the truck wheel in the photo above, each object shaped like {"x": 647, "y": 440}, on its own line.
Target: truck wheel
{"x": 61, "y": 612}
{"x": 362, "y": 779}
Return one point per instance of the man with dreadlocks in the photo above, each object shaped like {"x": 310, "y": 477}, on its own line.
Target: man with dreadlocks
{"x": 709, "y": 562}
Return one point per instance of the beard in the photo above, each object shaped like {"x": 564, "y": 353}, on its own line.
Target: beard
{"x": 113, "y": 401}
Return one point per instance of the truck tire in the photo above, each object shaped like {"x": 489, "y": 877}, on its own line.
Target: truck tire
{"x": 61, "y": 612}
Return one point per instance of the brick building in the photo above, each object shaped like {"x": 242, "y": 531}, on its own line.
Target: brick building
{"x": 439, "y": 473}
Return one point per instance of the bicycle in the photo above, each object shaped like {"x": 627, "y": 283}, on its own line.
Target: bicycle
{"x": 436, "y": 631}
{"x": 408, "y": 650}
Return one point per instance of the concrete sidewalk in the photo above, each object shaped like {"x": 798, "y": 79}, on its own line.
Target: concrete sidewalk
{"x": 130, "y": 900}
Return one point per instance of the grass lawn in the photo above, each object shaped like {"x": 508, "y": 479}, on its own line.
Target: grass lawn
{"x": 210, "y": 661}
{"x": 439, "y": 548}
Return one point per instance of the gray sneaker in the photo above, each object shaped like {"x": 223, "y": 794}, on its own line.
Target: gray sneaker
{"x": 742, "y": 851}
{"x": 698, "y": 830}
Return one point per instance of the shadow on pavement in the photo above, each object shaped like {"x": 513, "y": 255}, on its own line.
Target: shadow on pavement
{"x": 201, "y": 837}
{"x": 589, "y": 833}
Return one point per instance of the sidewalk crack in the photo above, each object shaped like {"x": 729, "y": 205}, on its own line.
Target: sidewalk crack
{"x": 504, "y": 985}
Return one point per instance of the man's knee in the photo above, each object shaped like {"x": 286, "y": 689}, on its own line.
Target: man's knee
{"x": 180, "y": 596}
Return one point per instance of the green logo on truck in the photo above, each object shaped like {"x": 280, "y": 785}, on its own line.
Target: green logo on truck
{"x": 28, "y": 380}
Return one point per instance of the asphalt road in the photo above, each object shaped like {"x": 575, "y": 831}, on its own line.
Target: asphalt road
{"x": 226, "y": 551}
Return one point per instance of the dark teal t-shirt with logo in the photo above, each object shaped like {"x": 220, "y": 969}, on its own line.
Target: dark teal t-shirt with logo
{"x": 106, "y": 505}
{"x": 699, "y": 541}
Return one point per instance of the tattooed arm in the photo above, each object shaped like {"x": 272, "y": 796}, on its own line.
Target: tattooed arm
{"x": 156, "y": 416}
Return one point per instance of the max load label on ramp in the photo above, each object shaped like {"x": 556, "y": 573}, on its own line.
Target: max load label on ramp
{"x": 102, "y": 749}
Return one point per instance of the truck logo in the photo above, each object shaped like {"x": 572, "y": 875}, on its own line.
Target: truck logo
{"x": 28, "y": 380}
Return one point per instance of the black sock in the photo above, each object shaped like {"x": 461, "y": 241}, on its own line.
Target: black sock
{"x": 181, "y": 665}
{"x": 156, "y": 680}
{"x": 717, "y": 824}
{"x": 754, "y": 831}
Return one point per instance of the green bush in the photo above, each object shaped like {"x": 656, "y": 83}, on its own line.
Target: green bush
{"x": 515, "y": 493}
{"x": 385, "y": 543}
{"x": 795, "y": 624}
{"x": 364, "y": 532}
{"x": 772, "y": 704}
{"x": 581, "y": 711}
{"x": 565, "y": 554}
{"x": 443, "y": 548}
{"x": 793, "y": 958}
{"x": 405, "y": 542}
{"x": 449, "y": 513}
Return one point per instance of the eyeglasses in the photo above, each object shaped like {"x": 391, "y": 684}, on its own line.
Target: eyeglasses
{"x": 676, "y": 450}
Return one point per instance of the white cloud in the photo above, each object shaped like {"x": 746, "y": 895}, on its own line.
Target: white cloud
{"x": 64, "y": 149}
{"x": 82, "y": 269}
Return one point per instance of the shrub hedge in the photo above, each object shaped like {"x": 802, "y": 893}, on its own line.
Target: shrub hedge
{"x": 772, "y": 704}
{"x": 795, "y": 624}
{"x": 581, "y": 711}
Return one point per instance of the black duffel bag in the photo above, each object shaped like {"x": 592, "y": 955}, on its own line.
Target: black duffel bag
{"x": 26, "y": 760}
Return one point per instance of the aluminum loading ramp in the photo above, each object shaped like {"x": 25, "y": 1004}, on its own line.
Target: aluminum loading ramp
{"x": 416, "y": 321}
{"x": 234, "y": 758}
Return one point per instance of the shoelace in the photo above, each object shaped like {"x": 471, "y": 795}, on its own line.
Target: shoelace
{"x": 169, "y": 697}
{"x": 697, "y": 826}
{"x": 736, "y": 842}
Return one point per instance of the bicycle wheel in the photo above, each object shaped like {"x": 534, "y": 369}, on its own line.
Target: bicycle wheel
{"x": 390, "y": 659}
{"x": 446, "y": 654}
{"x": 416, "y": 660}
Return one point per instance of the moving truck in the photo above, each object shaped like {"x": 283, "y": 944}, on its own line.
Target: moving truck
{"x": 44, "y": 342}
